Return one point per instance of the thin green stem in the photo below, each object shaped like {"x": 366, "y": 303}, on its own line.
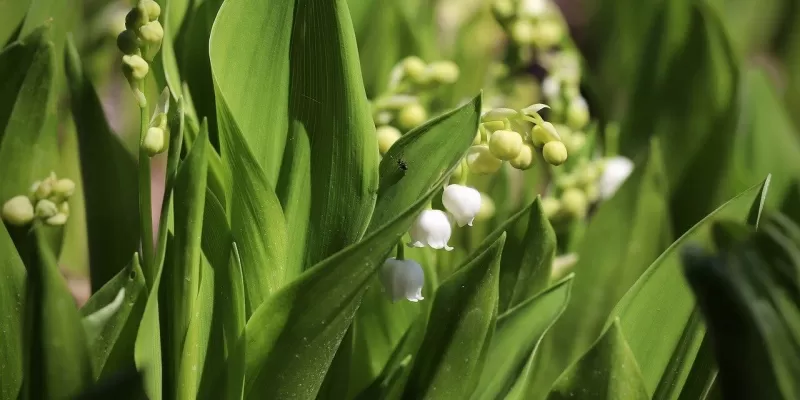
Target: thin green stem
{"x": 401, "y": 251}
{"x": 145, "y": 206}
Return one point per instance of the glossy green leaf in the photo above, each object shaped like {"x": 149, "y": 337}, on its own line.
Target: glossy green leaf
{"x": 196, "y": 341}
{"x": 108, "y": 172}
{"x": 518, "y": 332}
{"x": 607, "y": 371}
{"x": 13, "y": 13}
{"x": 626, "y": 235}
{"x": 12, "y": 294}
{"x": 59, "y": 366}
{"x": 111, "y": 319}
{"x": 253, "y": 74}
{"x": 462, "y": 322}
{"x": 294, "y": 185}
{"x": 29, "y": 144}
{"x": 257, "y": 221}
{"x": 293, "y": 336}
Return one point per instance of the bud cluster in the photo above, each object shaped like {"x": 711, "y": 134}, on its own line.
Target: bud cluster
{"x": 536, "y": 23}
{"x": 140, "y": 42}
{"x": 156, "y": 138}
{"x": 46, "y": 200}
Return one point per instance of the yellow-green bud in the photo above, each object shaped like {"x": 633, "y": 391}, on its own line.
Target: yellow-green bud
{"x": 412, "y": 116}
{"x": 32, "y": 190}
{"x": 154, "y": 141}
{"x": 63, "y": 208}
{"x": 387, "y": 135}
{"x": 444, "y": 72}
{"x": 566, "y": 181}
{"x": 18, "y": 211}
{"x": 57, "y": 220}
{"x": 135, "y": 67}
{"x": 592, "y": 193}
{"x": 574, "y": 202}
{"x": 524, "y": 159}
{"x": 152, "y": 9}
{"x": 505, "y": 145}
{"x": 63, "y": 188}
{"x": 492, "y": 126}
{"x": 487, "y": 209}
{"x": 135, "y": 18}
{"x": 575, "y": 142}
{"x": 46, "y": 208}
{"x": 503, "y": 9}
{"x": 588, "y": 175}
{"x": 555, "y": 153}
{"x": 577, "y": 113}
{"x": 128, "y": 43}
{"x": 523, "y": 32}
{"x": 550, "y": 33}
{"x": 498, "y": 114}
{"x": 415, "y": 69}
{"x": 458, "y": 172}
{"x": 551, "y": 206}
{"x": 43, "y": 189}
{"x": 542, "y": 134}
{"x": 152, "y": 32}
{"x": 481, "y": 161}
{"x": 478, "y": 138}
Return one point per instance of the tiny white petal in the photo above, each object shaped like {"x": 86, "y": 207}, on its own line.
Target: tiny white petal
{"x": 403, "y": 279}
{"x": 431, "y": 228}
{"x": 615, "y": 172}
{"x": 551, "y": 87}
{"x": 462, "y": 202}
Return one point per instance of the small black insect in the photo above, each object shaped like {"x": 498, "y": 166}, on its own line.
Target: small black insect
{"x": 402, "y": 164}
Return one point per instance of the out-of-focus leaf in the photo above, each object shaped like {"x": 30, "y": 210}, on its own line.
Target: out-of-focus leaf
{"x": 58, "y": 363}
{"x": 165, "y": 64}
{"x": 13, "y": 12}
{"x": 607, "y": 371}
{"x": 253, "y": 74}
{"x": 292, "y": 338}
{"x": 108, "y": 172}
{"x": 518, "y": 331}
{"x": 462, "y": 322}
{"x": 626, "y": 235}
{"x": 787, "y": 45}
{"x": 123, "y": 385}
{"x": 74, "y": 256}
{"x": 114, "y": 328}
{"x": 703, "y": 375}
{"x": 173, "y": 13}
{"x": 60, "y": 16}
{"x": 12, "y": 292}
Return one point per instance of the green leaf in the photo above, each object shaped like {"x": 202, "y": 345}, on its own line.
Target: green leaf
{"x": 12, "y": 292}
{"x": 111, "y": 319}
{"x": 607, "y": 371}
{"x": 462, "y": 321}
{"x": 109, "y": 179}
{"x": 165, "y": 64}
{"x": 196, "y": 342}
{"x": 123, "y": 385}
{"x": 58, "y": 362}
{"x": 626, "y": 235}
{"x": 253, "y": 74}
{"x": 519, "y": 331}
{"x": 293, "y": 336}
{"x": 703, "y": 374}
{"x": 294, "y": 185}
{"x": 257, "y": 222}
{"x": 13, "y": 12}
{"x": 29, "y": 144}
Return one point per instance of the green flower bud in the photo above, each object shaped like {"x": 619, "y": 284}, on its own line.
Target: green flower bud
{"x": 46, "y": 209}
{"x": 412, "y": 116}
{"x": 566, "y": 181}
{"x": 551, "y": 206}
{"x": 478, "y": 138}
{"x": 63, "y": 208}
{"x": 577, "y": 113}
{"x": 154, "y": 141}
{"x": 588, "y": 175}
{"x": 415, "y": 69}
{"x": 481, "y": 161}
{"x": 555, "y": 153}
{"x": 458, "y": 172}
{"x": 575, "y": 142}
{"x": 57, "y": 220}
{"x": 503, "y": 9}
{"x": 134, "y": 67}
{"x": 152, "y": 33}
{"x": 492, "y": 126}
{"x": 592, "y": 193}
{"x": 523, "y": 32}
{"x": 498, "y": 114}
{"x": 32, "y": 190}
{"x": 444, "y": 72}
{"x": 574, "y": 203}
{"x": 524, "y": 159}
{"x": 18, "y": 211}
{"x": 63, "y": 188}
{"x": 543, "y": 134}
{"x": 505, "y": 145}
{"x": 128, "y": 43}
{"x": 152, "y": 9}
{"x": 135, "y": 18}
{"x": 487, "y": 209}
{"x": 549, "y": 33}
{"x": 387, "y": 135}
{"x": 43, "y": 189}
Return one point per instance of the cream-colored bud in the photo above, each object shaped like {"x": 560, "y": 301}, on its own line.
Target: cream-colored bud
{"x": 387, "y": 135}
{"x": 412, "y": 116}
{"x": 499, "y": 114}
{"x": 63, "y": 188}
{"x": 128, "y": 43}
{"x": 555, "y": 153}
{"x": 577, "y": 113}
{"x": 523, "y": 32}
{"x": 154, "y": 141}
{"x": 458, "y": 172}
{"x": 18, "y": 211}
{"x": 152, "y": 32}
{"x": 566, "y": 181}
{"x": 478, "y": 138}
{"x": 492, "y": 126}
{"x": 487, "y": 209}
{"x": 481, "y": 161}
{"x": 575, "y": 142}
{"x": 45, "y": 208}
{"x": 63, "y": 208}
{"x": 43, "y": 189}
{"x": 32, "y": 190}
{"x": 135, "y": 18}
{"x": 415, "y": 69}
{"x": 549, "y": 33}
{"x": 57, "y": 220}
{"x": 542, "y": 134}
{"x": 524, "y": 159}
{"x": 551, "y": 207}
{"x": 574, "y": 203}
{"x": 505, "y": 145}
{"x": 152, "y": 9}
{"x": 135, "y": 67}
{"x": 444, "y": 72}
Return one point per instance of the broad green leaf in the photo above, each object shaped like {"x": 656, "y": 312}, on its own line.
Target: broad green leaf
{"x": 13, "y": 12}
{"x": 257, "y": 221}
{"x": 607, "y": 371}
{"x": 108, "y": 173}
{"x": 294, "y": 185}
{"x": 462, "y": 322}
{"x": 181, "y": 277}
{"x": 196, "y": 342}
{"x": 518, "y": 332}
{"x": 74, "y": 256}
{"x": 111, "y": 319}
{"x": 58, "y": 362}
{"x": 335, "y": 384}
{"x": 292, "y": 338}
{"x": 643, "y": 313}
{"x": 12, "y": 293}
{"x": 29, "y": 144}
{"x": 703, "y": 375}
{"x": 626, "y": 235}
{"x": 253, "y": 74}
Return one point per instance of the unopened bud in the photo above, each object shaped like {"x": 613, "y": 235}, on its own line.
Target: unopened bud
{"x": 549, "y": 34}
{"x": 478, "y": 138}
{"x": 555, "y": 153}
{"x": 574, "y": 203}
{"x": 45, "y": 208}
{"x": 481, "y": 161}
{"x": 152, "y": 33}
{"x": 458, "y": 172}
{"x": 551, "y": 206}
{"x": 524, "y": 159}
{"x": 492, "y": 126}
{"x": 487, "y": 209}
{"x": 134, "y": 67}
{"x": 412, "y": 116}
{"x": 152, "y": 9}
{"x": 523, "y": 32}
{"x": 499, "y": 114}
{"x": 575, "y": 142}
{"x": 135, "y": 18}
{"x": 18, "y": 211}
{"x": 63, "y": 208}
{"x": 387, "y": 135}
{"x": 63, "y": 188}
{"x": 128, "y": 43}
{"x": 505, "y": 145}
{"x": 543, "y": 134}
{"x": 444, "y": 72}
{"x": 577, "y": 113}
{"x": 154, "y": 141}
{"x": 57, "y": 220}
{"x": 43, "y": 189}
{"x": 503, "y": 9}
{"x": 415, "y": 69}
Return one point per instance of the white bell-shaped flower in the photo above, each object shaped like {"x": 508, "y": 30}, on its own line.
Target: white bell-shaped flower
{"x": 615, "y": 171}
{"x": 431, "y": 228}
{"x": 462, "y": 202}
{"x": 403, "y": 279}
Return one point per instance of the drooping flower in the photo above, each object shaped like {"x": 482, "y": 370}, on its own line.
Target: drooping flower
{"x": 462, "y": 202}
{"x": 431, "y": 228}
{"x": 615, "y": 171}
{"x": 403, "y": 279}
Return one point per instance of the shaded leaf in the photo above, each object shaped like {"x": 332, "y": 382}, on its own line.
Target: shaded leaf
{"x": 12, "y": 293}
